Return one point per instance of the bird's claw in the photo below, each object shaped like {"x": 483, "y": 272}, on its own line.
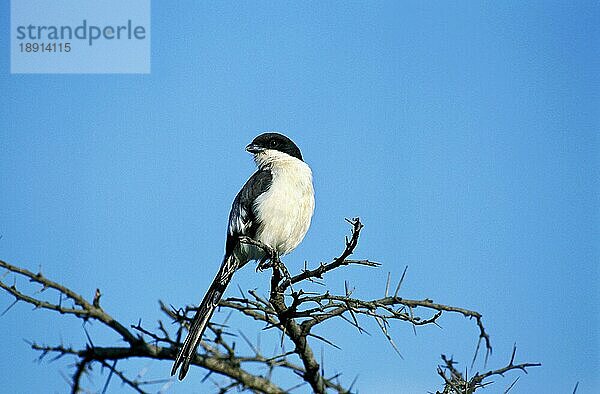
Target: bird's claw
{"x": 271, "y": 260}
{"x": 265, "y": 263}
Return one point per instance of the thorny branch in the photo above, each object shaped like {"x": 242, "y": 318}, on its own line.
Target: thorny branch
{"x": 457, "y": 383}
{"x": 293, "y": 314}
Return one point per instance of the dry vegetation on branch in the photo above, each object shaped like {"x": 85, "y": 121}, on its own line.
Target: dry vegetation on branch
{"x": 287, "y": 312}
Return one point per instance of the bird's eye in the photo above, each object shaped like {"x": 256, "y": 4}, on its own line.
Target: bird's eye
{"x": 273, "y": 143}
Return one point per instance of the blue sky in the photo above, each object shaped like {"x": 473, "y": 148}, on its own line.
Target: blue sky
{"x": 464, "y": 135}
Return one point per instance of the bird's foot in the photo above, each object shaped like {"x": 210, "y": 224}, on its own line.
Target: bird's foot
{"x": 284, "y": 271}
{"x": 272, "y": 260}
{"x": 269, "y": 256}
{"x": 269, "y": 260}
{"x": 278, "y": 265}
{"x": 263, "y": 264}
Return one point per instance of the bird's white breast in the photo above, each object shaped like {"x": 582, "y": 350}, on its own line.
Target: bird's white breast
{"x": 286, "y": 209}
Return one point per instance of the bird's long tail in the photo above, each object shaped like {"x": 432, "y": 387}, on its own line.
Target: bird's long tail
{"x": 205, "y": 310}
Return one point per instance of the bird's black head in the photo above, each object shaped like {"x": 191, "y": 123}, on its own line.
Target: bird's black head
{"x": 274, "y": 141}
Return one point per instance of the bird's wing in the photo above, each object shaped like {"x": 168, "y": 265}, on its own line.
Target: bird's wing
{"x": 242, "y": 220}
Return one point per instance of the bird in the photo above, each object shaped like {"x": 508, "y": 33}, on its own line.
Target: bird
{"x": 274, "y": 207}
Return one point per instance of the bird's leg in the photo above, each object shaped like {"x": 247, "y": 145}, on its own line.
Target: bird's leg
{"x": 264, "y": 263}
{"x": 270, "y": 259}
{"x": 273, "y": 261}
{"x": 269, "y": 256}
{"x": 287, "y": 276}
{"x": 277, "y": 264}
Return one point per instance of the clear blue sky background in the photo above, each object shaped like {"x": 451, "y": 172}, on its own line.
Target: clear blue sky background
{"x": 464, "y": 135}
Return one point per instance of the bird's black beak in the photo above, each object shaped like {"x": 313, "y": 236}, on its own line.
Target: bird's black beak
{"x": 254, "y": 148}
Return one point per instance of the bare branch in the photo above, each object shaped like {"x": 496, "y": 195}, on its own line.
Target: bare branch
{"x": 456, "y": 383}
{"x": 291, "y": 315}
{"x": 337, "y": 262}
{"x": 85, "y": 310}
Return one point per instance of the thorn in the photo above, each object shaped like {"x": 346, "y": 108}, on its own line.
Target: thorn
{"x": 410, "y": 309}
{"x": 511, "y": 386}
{"x": 476, "y": 351}
{"x": 512, "y": 357}
{"x": 87, "y": 334}
{"x": 387, "y": 284}
{"x": 387, "y": 335}
{"x": 9, "y": 307}
{"x": 97, "y": 296}
{"x": 400, "y": 282}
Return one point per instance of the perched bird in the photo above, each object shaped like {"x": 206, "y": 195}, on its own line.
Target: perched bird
{"x": 274, "y": 207}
